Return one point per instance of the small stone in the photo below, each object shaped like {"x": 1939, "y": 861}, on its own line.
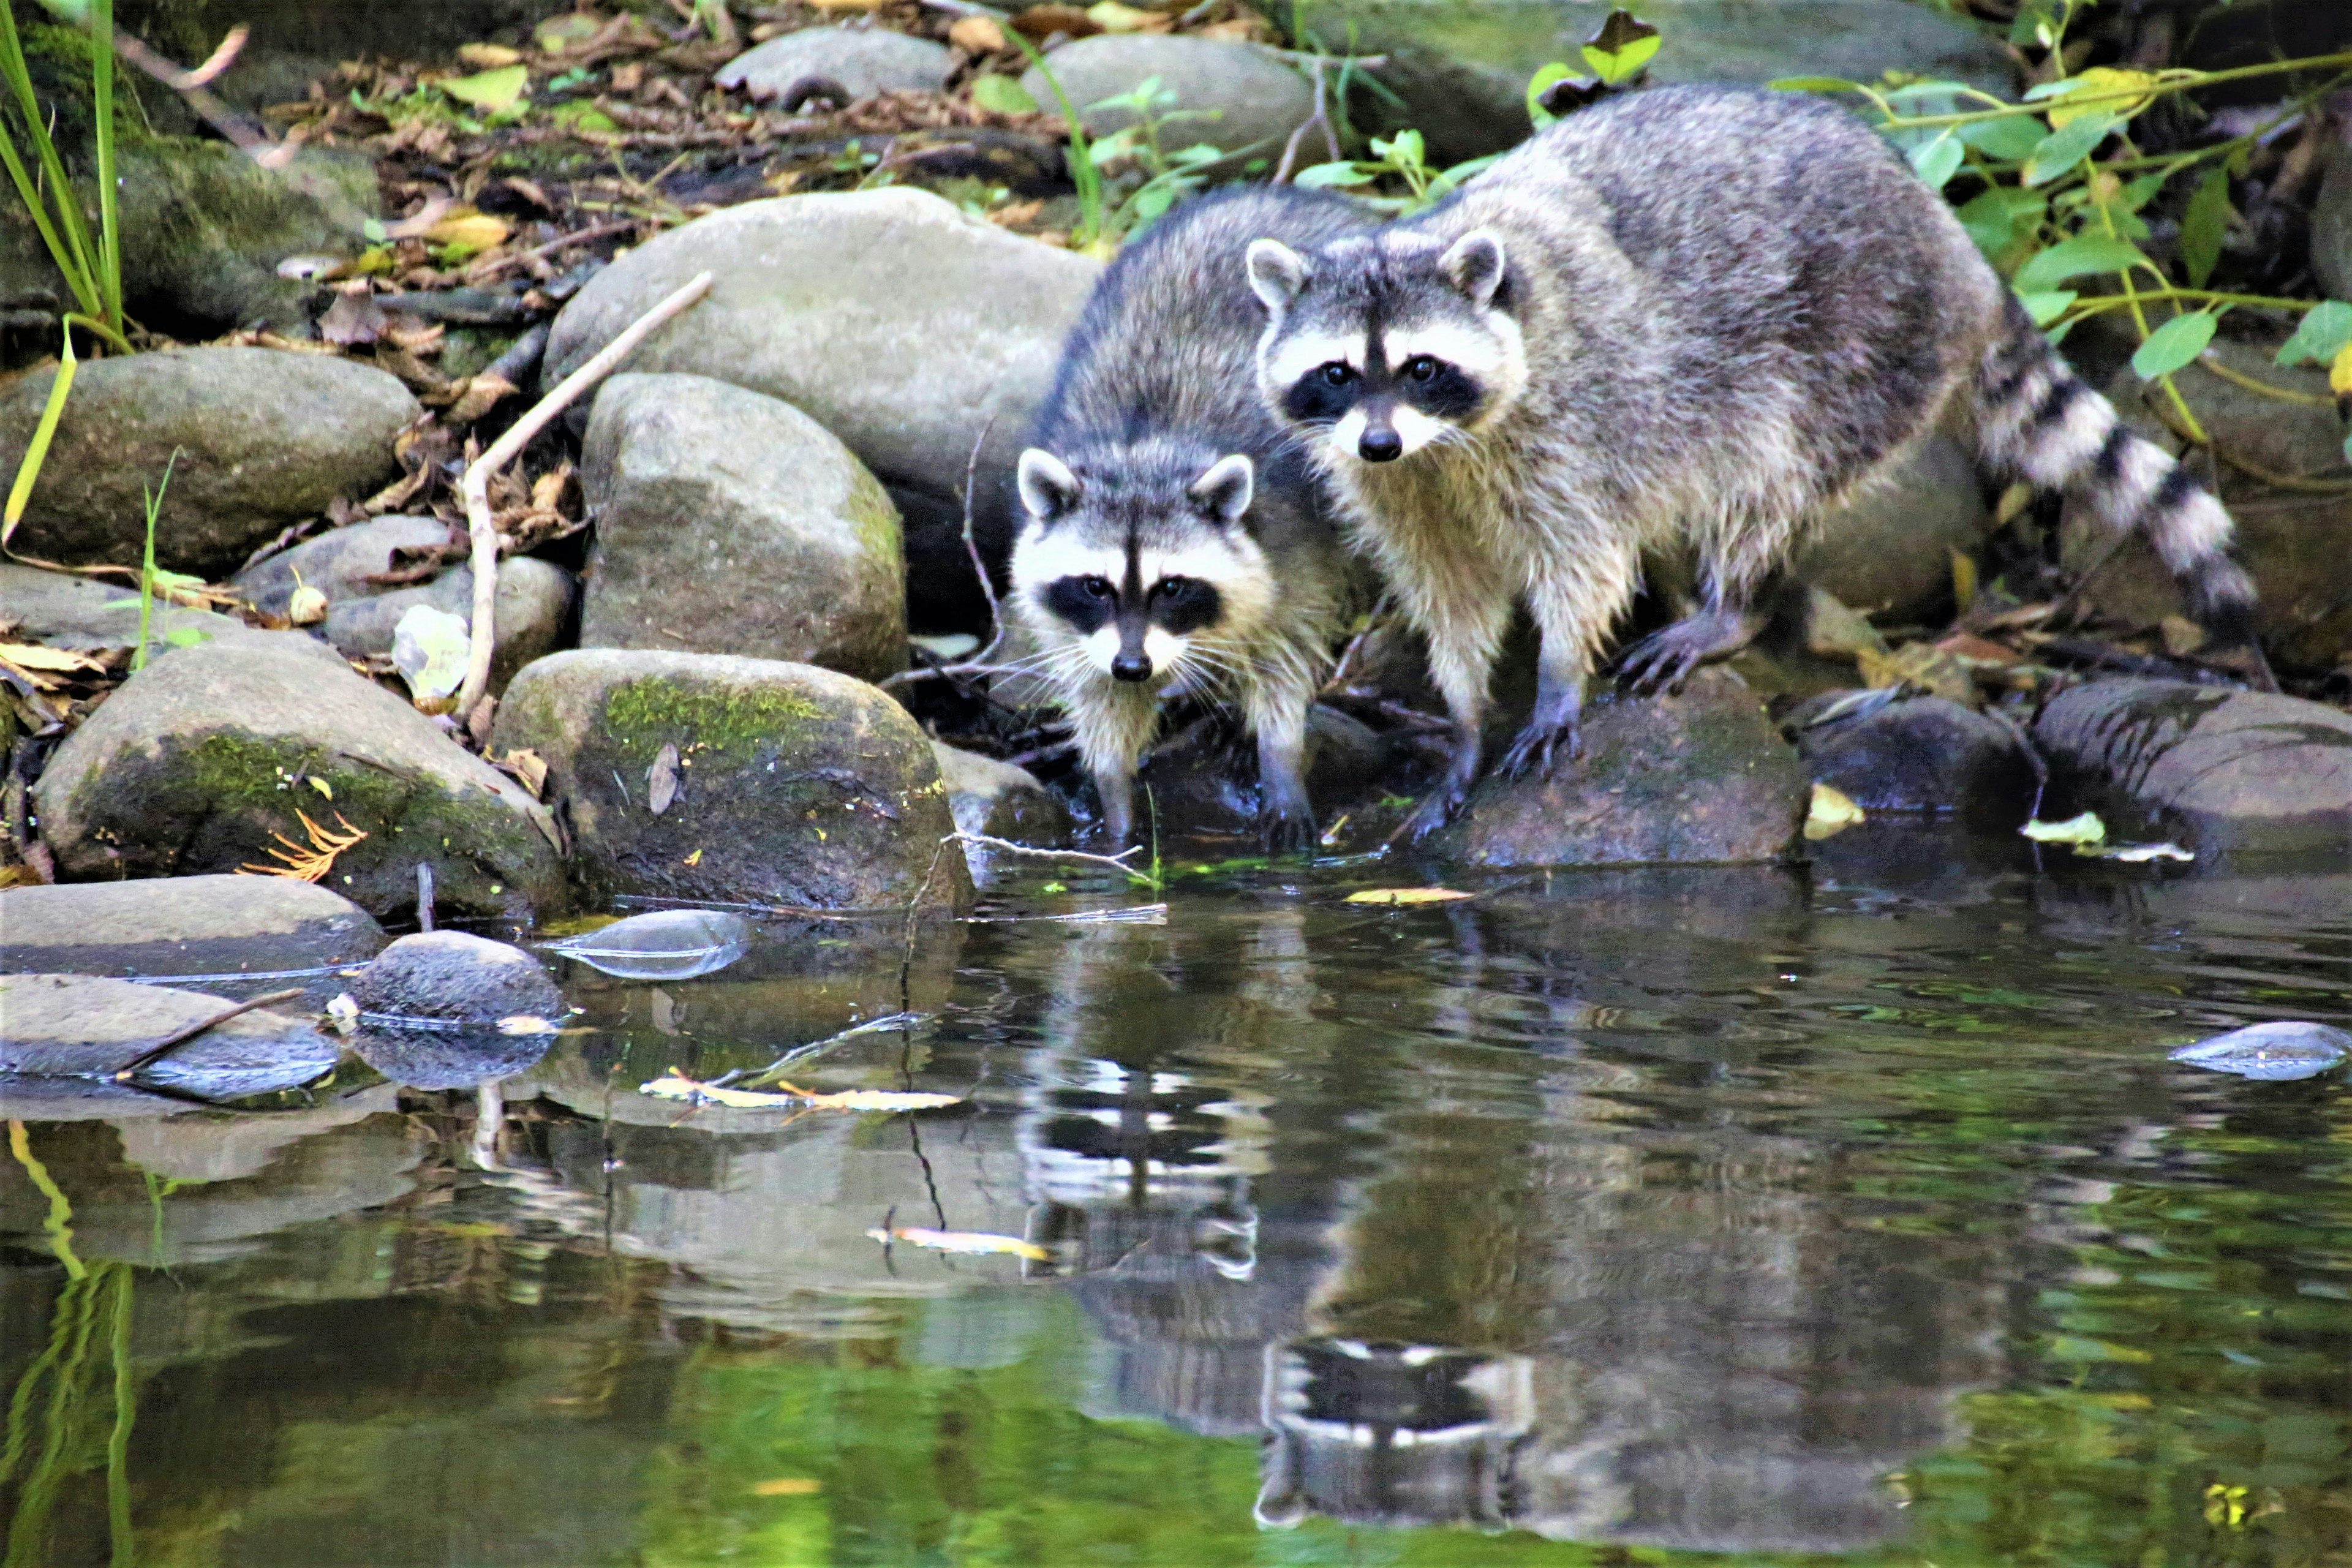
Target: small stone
{"x": 1888, "y": 551}
{"x": 729, "y": 523}
{"x": 1916, "y": 761}
{"x": 61, "y": 610}
{"x": 57, "y": 1024}
{"x": 456, "y": 976}
{"x": 264, "y": 440}
{"x": 1252, "y": 98}
{"x": 863, "y": 60}
{"x": 1001, "y": 799}
{"x": 182, "y": 925}
{"x": 2204, "y": 766}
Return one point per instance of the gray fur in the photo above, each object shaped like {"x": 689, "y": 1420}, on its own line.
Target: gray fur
{"x": 1722, "y": 313}
{"x": 1157, "y": 389}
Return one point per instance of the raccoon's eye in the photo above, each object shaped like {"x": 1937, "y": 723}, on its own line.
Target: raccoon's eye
{"x": 1100, "y": 587}
{"x": 1420, "y": 367}
{"x": 1336, "y": 373}
{"x": 1171, "y": 587}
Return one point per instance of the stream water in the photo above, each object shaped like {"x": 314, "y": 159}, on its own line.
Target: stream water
{"x": 1598, "y": 1218}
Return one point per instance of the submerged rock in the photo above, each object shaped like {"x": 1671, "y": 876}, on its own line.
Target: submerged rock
{"x": 2206, "y": 766}
{"x": 459, "y": 977}
{"x": 2275, "y": 1053}
{"x": 729, "y": 523}
{"x": 64, "y": 611}
{"x": 1888, "y": 551}
{"x": 667, "y": 944}
{"x": 862, "y": 60}
{"x": 1701, "y": 778}
{"x": 200, "y": 763}
{"x": 264, "y": 440}
{"x": 447, "y": 1058}
{"x": 1922, "y": 759}
{"x": 775, "y": 783}
{"x": 1005, "y": 801}
{"x": 75, "y": 1025}
{"x": 182, "y": 925}
{"x": 1254, "y": 101}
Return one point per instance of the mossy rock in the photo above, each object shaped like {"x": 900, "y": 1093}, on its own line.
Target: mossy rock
{"x": 202, "y": 762}
{"x": 792, "y": 784}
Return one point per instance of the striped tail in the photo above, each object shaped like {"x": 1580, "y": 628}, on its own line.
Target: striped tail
{"x": 2038, "y": 420}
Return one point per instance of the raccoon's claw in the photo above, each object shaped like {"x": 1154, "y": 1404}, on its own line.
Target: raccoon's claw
{"x": 1661, "y": 662}
{"x": 1286, "y": 834}
{"x": 1541, "y": 747}
{"x": 1436, "y": 809}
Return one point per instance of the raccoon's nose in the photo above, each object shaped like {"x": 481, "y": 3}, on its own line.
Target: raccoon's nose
{"x": 1130, "y": 667}
{"x": 1380, "y": 445}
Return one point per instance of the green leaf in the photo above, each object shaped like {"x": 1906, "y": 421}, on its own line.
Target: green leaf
{"x": 2174, "y": 344}
{"x": 2059, "y": 152}
{"x": 2203, "y": 225}
{"x": 2322, "y": 335}
{"x": 28, "y": 468}
{"x": 1622, "y": 47}
{"x": 186, "y": 637}
{"x": 2073, "y": 257}
{"x": 499, "y": 89}
{"x": 1939, "y": 161}
{"x": 2047, "y": 307}
{"x": 1406, "y": 149}
{"x": 1545, "y": 75}
{"x": 1999, "y": 218}
{"x": 1812, "y": 84}
{"x": 1318, "y": 176}
{"x": 2012, "y": 139}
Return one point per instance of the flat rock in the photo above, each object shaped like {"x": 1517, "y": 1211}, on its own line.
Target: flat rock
{"x": 264, "y": 438}
{"x": 1001, "y": 799}
{"x": 1255, "y": 98}
{"x": 534, "y": 601}
{"x": 88, "y": 614}
{"x": 729, "y": 523}
{"x": 2203, "y": 766}
{"x": 1919, "y": 760}
{"x": 864, "y": 60}
{"x": 791, "y": 785}
{"x": 890, "y": 317}
{"x": 1702, "y": 778}
{"x": 66, "y": 1025}
{"x": 456, "y": 976}
{"x": 198, "y": 762}
{"x": 217, "y": 925}
{"x": 1888, "y": 551}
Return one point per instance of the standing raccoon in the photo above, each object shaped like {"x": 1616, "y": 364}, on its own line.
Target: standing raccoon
{"x": 1692, "y": 320}
{"x": 1177, "y": 541}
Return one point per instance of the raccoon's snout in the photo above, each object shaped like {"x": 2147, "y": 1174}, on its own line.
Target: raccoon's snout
{"x": 1131, "y": 664}
{"x": 1380, "y": 443}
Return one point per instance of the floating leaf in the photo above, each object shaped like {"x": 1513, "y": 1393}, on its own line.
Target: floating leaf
{"x": 668, "y": 944}
{"x": 2174, "y": 344}
{"x": 2276, "y": 1053}
{"x": 525, "y": 1024}
{"x": 2074, "y": 258}
{"x": 2059, "y": 152}
{"x": 2203, "y": 225}
{"x": 786, "y": 1096}
{"x": 1002, "y": 95}
{"x": 2099, "y": 82}
{"x": 2085, "y": 829}
{"x": 490, "y": 90}
{"x": 1831, "y": 813}
{"x": 969, "y": 1242}
{"x": 2321, "y": 336}
{"x": 1406, "y": 895}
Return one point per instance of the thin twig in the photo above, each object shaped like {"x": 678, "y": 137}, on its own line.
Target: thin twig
{"x": 179, "y": 1037}
{"x": 1115, "y": 862}
{"x": 1289, "y": 165}
{"x": 979, "y": 663}
{"x": 480, "y": 523}
{"x": 497, "y": 265}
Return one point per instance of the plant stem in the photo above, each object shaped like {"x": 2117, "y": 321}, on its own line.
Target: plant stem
{"x": 1083, "y": 173}
{"x": 2120, "y": 95}
{"x": 102, "y": 100}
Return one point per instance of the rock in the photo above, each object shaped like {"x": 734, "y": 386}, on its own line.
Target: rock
{"x": 2331, "y": 221}
{"x": 1257, "y": 101}
{"x": 534, "y": 597}
{"x": 1699, "y": 777}
{"x": 2204, "y": 766}
{"x": 264, "y": 438}
{"x": 1888, "y": 553}
{"x": 182, "y": 925}
{"x": 899, "y": 323}
{"x": 792, "y": 784}
{"x": 1001, "y": 799}
{"x": 1460, "y": 67}
{"x": 197, "y": 761}
{"x": 87, "y": 614}
{"x": 865, "y": 60}
{"x": 456, "y": 976}
{"x": 60, "y": 1025}
{"x": 1920, "y": 759}
{"x": 729, "y": 523}
{"x": 2292, "y": 541}
{"x": 1205, "y": 781}
{"x": 440, "y": 1059}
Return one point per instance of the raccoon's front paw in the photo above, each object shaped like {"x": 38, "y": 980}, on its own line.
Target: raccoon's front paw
{"x": 1661, "y": 662}
{"x": 1289, "y": 833}
{"x": 1541, "y": 747}
{"x": 1436, "y": 809}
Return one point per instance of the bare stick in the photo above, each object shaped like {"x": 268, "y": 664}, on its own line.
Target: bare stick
{"x": 1115, "y": 862}
{"x": 978, "y": 664}
{"x": 179, "y": 1037}
{"x": 1289, "y": 165}
{"x": 483, "y": 527}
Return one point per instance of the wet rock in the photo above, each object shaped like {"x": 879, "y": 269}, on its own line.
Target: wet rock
{"x": 729, "y": 523}
{"x": 2204, "y": 766}
{"x": 67, "y": 1025}
{"x": 534, "y": 597}
{"x": 264, "y": 438}
{"x": 2331, "y": 222}
{"x": 199, "y": 759}
{"x": 667, "y": 944}
{"x": 2290, "y": 540}
{"x": 86, "y": 614}
{"x": 1005, "y": 801}
{"x": 1205, "y": 781}
{"x": 457, "y": 976}
{"x": 779, "y": 782}
{"x": 435, "y": 1058}
{"x": 182, "y": 925}
{"x": 899, "y": 323}
{"x": 1920, "y": 759}
{"x": 210, "y": 1148}
{"x": 2274, "y": 1053}
{"x": 1255, "y": 98}
{"x": 864, "y": 60}
{"x": 1888, "y": 553}
{"x": 1460, "y": 67}
{"x": 1700, "y": 777}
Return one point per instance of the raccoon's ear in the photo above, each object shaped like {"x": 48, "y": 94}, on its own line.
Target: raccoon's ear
{"x": 1047, "y": 488}
{"x": 1277, "y": 274}
{"x": 1224, "y": 491}
{"x": 1474, "y": 263}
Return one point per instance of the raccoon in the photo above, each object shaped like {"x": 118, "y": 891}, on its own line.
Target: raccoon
{"x": 1690, "y": 321}
{"x": 1177, "y": 543}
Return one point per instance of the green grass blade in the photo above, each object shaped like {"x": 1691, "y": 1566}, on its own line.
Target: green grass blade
{"x": 67, "y": 241}
{"x": 29, "y": 469}
{"x": 102, "y": 100}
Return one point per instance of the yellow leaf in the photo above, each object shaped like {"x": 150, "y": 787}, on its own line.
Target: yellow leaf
{"x": 319, "y": 785}
{"x": 2085, "y": 829}
{"x": 1831, "y": 813}
{"x": 968, "y": 1241}
{"x": 786, "y": 1096}
{"x": 1407, "y": 896}
{"x": 2098, "y": 82}
{"x": 488, "y": 55}
{"x": 976, "y": 35}
{"x": 33, "y": 656}
{"x": 2339, "y": 371}
{"x": 695, "y": 858}
{"x": 1964, "y": 578}
{"x": 468, "y": 233}
{"x": 788, "y": 1486}
{"x": 525, "y": 1023}
{"x": 492, "y": 89}
{"x": 1113, "y": 17}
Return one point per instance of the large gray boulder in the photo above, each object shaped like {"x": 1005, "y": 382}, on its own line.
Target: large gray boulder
{"x": 2211, "y": 768}
{"x": 77, "y": 1025}
{"x": 1460, "y": 67}
{"x": 182, "y": 925}
{"x": 778, "y": 782}
{"x": 1888, "y": 551}
{"x": 200, "y": 763}
{"x": 1917, "y": 762}
{"x": 729, "y": 523}
{"x": 533, "y": 601}
{"x": 263, "y": 438}
{"x": 1255, "y": 100}
{"x": 88, "y": 614}
{"x": 1702, "y": 778}
{"x": 894, "y": 319}
{"x": 862, "y": 60}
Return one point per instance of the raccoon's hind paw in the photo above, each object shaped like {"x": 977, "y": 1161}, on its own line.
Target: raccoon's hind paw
{"x": 1540, "y": 748}
{"x": 1289, "y": 833}
{"x": 1663, "y": 660}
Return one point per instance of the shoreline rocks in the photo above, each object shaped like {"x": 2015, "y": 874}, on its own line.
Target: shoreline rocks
{"x": 862, "y": 60}
{"x": 1252, "y": 98}
{"x": 182, "y": 925}
{"x": 56, "y": 1025}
